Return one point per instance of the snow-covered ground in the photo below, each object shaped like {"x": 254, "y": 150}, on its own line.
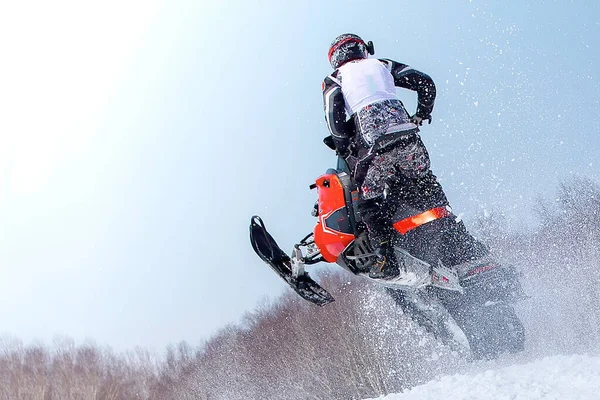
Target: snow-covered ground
{"x": 575, "y": 377}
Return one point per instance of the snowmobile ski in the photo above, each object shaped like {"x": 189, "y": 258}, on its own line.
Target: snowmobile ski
{"x": 267, "y": 249}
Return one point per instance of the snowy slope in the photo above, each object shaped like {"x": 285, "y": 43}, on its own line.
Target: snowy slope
{"x": 560, "y": 377}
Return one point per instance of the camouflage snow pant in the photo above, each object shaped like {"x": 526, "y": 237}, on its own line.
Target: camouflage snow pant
{"x": 407, "y": 159}
{"x": 398, "y": 179}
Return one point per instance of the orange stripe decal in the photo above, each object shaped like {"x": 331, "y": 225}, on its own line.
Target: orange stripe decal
{"x": 407, "y": 224}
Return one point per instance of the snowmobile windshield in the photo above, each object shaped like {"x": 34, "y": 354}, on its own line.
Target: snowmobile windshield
{"x": 342, "y": 166}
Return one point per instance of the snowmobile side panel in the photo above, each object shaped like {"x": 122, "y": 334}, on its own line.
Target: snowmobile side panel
{"x": 485, "y": 280}
{"x": 334, "y": 230}
{"x": 267, "y": 249}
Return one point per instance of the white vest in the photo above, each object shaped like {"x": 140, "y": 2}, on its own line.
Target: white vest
{"x": 365, "y": 82}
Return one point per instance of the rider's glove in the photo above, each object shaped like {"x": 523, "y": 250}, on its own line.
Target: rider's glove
{"x": 417, "y": 120}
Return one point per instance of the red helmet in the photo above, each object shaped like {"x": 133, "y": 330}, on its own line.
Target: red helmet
{"x": 348, "y": 47}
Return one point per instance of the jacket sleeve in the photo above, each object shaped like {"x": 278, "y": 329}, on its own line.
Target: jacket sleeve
{"x": 335, "y": 114}
{"x": 409, "y": 78}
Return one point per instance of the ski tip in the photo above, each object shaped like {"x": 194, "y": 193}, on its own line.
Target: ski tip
{"x": 256, "y": 221}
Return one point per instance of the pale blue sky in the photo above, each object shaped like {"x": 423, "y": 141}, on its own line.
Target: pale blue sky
{"x": 137, "y": 139}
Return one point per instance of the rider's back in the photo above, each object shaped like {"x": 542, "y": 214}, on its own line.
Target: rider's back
{"x": 365, "y": 82}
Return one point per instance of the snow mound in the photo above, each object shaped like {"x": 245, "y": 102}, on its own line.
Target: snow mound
{"x": 574, "y": 377}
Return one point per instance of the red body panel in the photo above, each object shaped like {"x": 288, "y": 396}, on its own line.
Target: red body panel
{"x": 415, "y": 221}
{"x": 329, "y": 240}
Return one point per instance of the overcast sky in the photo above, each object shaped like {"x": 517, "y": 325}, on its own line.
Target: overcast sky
{"x": 137, "y": 138}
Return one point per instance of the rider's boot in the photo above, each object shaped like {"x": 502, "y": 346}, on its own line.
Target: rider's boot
{"x": 385, "y": 265}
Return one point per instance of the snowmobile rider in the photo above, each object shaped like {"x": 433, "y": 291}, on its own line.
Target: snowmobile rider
{"x": 380, "y": 141}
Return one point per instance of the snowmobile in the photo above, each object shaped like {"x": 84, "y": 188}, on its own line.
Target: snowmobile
{"x": 468, "y": 306}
